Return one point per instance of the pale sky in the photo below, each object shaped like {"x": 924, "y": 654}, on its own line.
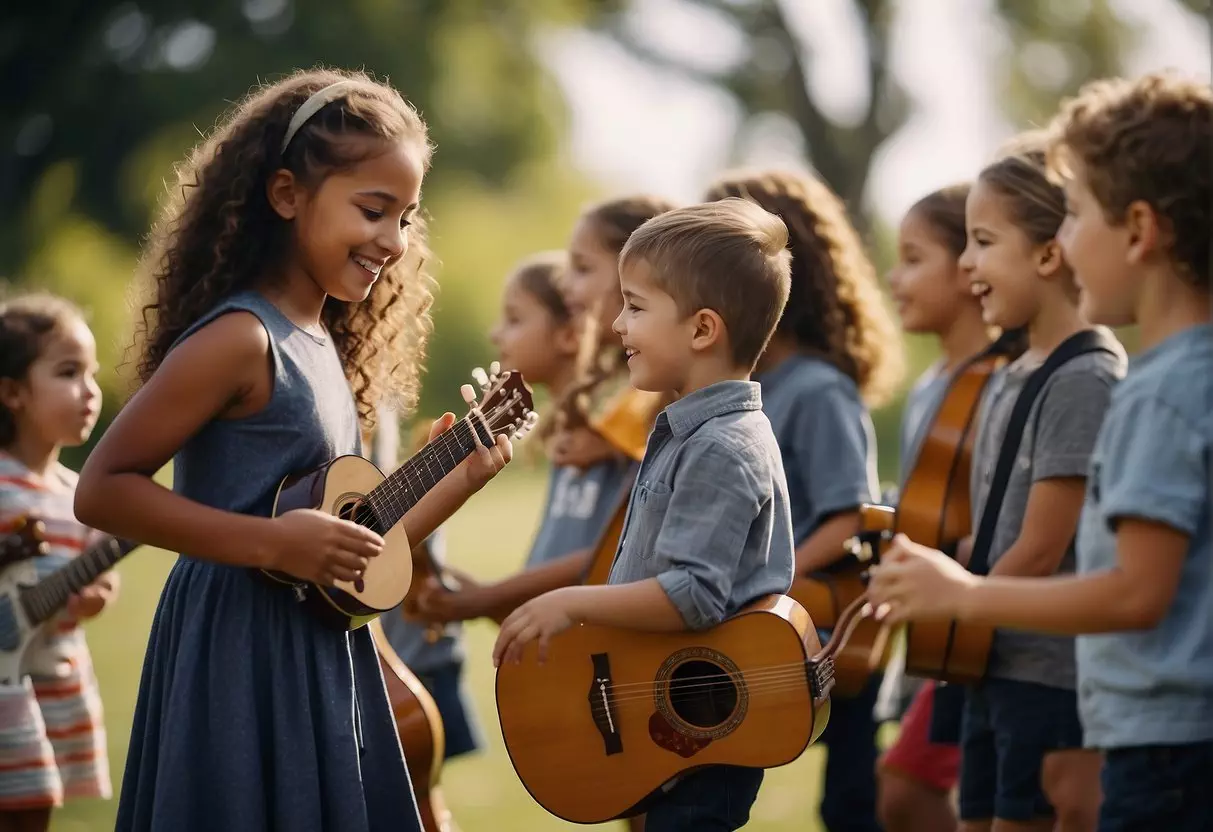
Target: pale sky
{"x": 636, "y": 128}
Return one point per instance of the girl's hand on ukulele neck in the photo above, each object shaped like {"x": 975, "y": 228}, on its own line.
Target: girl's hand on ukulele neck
{"x": 580, "y": 447}
{"x": 94, "y": 598}
{"x": 484, "y": 463}
{"x": 314, "y": 546}
{"x": 915, "y": 582}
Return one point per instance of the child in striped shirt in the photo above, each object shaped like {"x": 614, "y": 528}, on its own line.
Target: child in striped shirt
{"x": 52, "y": 738}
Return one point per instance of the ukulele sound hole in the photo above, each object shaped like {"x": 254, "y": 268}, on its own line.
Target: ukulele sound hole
{"x": 702, "y": 694}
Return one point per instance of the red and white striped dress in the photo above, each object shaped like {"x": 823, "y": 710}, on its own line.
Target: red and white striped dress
{"x": 52, "y": 734}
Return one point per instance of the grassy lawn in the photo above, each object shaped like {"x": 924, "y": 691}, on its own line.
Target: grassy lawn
{"x": 488, "y": 537}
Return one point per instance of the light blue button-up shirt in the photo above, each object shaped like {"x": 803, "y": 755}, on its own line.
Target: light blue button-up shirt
{"x": 708, "y": 516}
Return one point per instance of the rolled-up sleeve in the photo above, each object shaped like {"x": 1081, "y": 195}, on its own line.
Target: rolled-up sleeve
{"x": 713, "y": 504}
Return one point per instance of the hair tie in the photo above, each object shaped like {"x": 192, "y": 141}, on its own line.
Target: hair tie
{"x": 313, "y": 105}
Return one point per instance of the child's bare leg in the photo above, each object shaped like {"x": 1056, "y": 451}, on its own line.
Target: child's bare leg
{"x": 1070, "y": 780}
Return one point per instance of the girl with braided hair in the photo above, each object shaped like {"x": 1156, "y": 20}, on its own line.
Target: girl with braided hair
{"x": 835, "y": 352}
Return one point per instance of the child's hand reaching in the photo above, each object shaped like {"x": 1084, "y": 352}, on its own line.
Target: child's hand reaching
{"x": 95, "y": 597}
{"x": 580, "y": 447}
{"x": 540, "y": 618}
{"x": 918, "y": 583}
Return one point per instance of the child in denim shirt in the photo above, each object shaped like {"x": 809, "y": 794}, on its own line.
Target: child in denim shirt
{"x": 1136, "y": 160}
{"x": 708, "y": 527}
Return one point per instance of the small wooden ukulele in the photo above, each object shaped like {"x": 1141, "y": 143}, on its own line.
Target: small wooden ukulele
{"x": 612, "y": 714}
{"x": 352, "y": 487}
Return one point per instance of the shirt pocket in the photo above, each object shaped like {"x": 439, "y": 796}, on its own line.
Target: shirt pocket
{"x": 652, "y": 501}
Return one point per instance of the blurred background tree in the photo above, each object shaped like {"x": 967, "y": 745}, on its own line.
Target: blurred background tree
{"x": 103, "y": 96}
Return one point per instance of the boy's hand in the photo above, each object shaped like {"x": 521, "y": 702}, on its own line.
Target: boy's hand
{"x": 540, "y": 618}
{"x": 915, "y": 582}
{"x": 580, "y": 447}
{"x": 94, "y": 598}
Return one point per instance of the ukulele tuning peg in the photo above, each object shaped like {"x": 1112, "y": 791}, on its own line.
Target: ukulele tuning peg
{"x": 469, "y": 394}
{"x": 479, "y": 376}
{"x": 495, "y": 369}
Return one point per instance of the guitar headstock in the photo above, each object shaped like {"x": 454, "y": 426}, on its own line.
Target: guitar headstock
{"x": 26, "y": 540}
{"x": 507, "y": 406}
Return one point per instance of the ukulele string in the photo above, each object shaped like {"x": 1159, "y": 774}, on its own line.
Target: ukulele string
{"x": 450, "y": 442}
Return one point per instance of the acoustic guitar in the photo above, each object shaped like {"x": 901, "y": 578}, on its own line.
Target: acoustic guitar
{"x": 612, "y": 714}
{"x": 26, "y": 603}
{"x": 419, "y": 726}
{"x": 933, "y": 509}
{"x": 828, "y": 593}
{"x": 353, "y": 488}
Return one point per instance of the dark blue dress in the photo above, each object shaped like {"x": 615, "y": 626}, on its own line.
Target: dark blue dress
{"x": 252, "y": 714}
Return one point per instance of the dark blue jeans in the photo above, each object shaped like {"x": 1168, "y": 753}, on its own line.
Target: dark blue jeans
{"x": 848, "y": 803}
{"x": 712, "y": 799}
{"x": 1158, "y": 787}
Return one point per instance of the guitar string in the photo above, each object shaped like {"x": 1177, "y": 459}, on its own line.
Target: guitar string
{"x": 388, "y": 493}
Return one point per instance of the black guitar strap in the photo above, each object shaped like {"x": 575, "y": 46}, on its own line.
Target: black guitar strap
{"x": 1089, "y": 340}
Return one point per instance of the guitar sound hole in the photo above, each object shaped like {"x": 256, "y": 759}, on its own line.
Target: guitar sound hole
{"x": 357, "y": 511}
{"x": 702, "y": 694}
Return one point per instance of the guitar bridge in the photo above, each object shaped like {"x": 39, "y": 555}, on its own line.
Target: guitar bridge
{"x": 821, "y": 677}
{"x": 602, "y": 705}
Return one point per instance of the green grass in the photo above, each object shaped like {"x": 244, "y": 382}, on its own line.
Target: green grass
{"x": 489, "y": 537}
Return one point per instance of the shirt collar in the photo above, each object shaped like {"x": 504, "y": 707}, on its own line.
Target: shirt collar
{"x": 687, "y": 414}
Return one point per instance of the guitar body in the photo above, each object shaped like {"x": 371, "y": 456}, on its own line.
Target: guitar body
{"x": 419, "y": 726}
{"x": 339, "y": 488}
{"x": 826, "y": 594}
{"x": 934, "y": 510}
{"x": 613, "y": 714}
{"x": 17, "y": 632}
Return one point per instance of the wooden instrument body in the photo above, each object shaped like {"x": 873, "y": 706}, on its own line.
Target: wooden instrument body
{"x": 934, "y": 509}
{"x": 339, "y": 488}
{"x": 826, "y": 594}
{"x": 419, "y": 726}
{"x": 353, "y": 488}
{"x": 605, "y": 720}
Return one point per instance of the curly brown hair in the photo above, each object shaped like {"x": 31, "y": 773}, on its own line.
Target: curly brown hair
{"x": 1149, "y": 140}
{"x": 27, "y": 323}
{"x": 217, "y": 233}
{"x": 836, "y": 309}
{"x": 602, "y": 357}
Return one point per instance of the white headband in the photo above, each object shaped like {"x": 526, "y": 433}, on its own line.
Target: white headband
{"x": 312, "y": 106}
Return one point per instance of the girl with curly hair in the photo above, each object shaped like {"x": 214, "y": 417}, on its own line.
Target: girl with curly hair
{"x": 835, "y": 352}
{"x": 290, "y": 297}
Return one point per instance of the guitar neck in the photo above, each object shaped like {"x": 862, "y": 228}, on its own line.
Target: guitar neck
{"x": 49, "y": 596}
{"x": 392, "y": 498}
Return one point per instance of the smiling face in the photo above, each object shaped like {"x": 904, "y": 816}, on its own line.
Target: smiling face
{"x": 1001, "y": 261}
{"x": 591, "y": 286}
{"x": 656, "y": 337}
{"x": 355, "y": 222}
{"x": 58, "y": 401}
